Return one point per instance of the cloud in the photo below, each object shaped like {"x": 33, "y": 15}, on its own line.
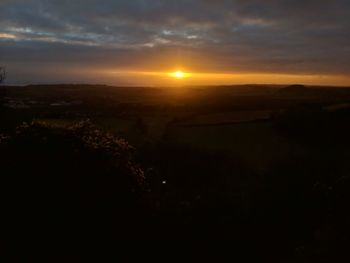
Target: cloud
{"x": 272, "y": 36}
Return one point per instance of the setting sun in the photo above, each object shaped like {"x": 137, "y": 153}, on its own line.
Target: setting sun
{"x": 179, "y": 74}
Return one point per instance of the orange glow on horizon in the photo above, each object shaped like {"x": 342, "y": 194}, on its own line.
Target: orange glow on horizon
{"x": 163, "y": 78}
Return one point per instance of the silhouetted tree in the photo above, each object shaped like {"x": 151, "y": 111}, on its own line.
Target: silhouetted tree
{"x": 140, "y": 126}
{"x": 2, "y": 74}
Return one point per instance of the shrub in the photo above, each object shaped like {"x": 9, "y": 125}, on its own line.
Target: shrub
{"x": 75, "y": 180}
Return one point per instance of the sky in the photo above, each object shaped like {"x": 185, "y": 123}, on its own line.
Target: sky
{"x": 140, "y": 42}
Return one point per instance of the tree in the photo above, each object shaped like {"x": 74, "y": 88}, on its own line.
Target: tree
{"x": 2, "y": 74}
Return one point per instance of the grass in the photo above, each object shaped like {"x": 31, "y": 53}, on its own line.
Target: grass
{"x": 257, "y": 143}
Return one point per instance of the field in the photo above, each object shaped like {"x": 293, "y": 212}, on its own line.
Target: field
{"x": 238, "y": 120}
{"x": 267, "y": 166}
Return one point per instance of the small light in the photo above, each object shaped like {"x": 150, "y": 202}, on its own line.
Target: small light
{"x": 164, "y": 182}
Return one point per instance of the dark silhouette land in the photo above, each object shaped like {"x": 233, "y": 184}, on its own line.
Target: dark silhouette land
{"x": 266, "y": 167}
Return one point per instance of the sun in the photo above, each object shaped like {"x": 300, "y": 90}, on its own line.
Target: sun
{"x": 178, "y": 74}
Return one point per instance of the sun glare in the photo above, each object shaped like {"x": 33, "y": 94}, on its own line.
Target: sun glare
{"x": 178, "y": 74}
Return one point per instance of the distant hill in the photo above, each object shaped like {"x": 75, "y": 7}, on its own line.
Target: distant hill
{"x": 312, "y": 92}
{"x": 296, "y": 89}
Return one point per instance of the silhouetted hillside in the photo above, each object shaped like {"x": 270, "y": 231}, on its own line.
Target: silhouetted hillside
{"x": 293, "y": 90}
{"x": 313, "y": 92}
{"x": 273, "y": 180}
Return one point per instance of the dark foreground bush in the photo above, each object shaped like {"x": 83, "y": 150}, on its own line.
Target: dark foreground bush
{"x": 68, "y": 183}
